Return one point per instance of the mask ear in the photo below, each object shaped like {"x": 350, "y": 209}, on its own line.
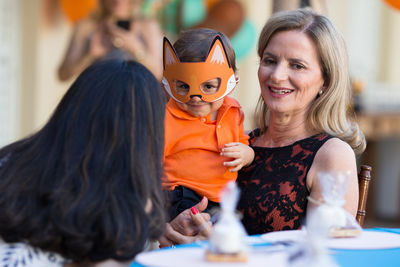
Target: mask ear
{"x": 217, "y": 53}
{"x": 169, "y": 54}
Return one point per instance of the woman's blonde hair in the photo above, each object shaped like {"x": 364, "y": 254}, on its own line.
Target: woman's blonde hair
{"x": 330, "y": 112}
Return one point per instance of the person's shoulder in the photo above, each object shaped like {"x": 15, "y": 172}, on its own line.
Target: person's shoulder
{"x": 335, "y": 156}
{"x": 148, "y": 23}
{"x": 335, "y": 152}
{"x": 334, "y": 147}
{"x": 231, "y": 101}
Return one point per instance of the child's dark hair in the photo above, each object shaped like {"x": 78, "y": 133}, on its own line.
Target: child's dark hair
{"x": 192, "y": 45}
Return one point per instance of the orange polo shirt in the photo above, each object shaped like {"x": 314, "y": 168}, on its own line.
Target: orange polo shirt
{"x": 192, "y": 148}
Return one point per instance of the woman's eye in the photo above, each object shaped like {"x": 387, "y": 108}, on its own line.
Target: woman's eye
{"x": 268, "y": 61}
{"x": 298, "y": 66}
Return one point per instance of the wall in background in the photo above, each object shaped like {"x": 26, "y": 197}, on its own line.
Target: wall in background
{"x": 9, "y": 70}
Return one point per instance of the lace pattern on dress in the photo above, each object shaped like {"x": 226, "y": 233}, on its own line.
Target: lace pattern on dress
{"x": 274, "y": 192}
{"x": 21, "y": 254}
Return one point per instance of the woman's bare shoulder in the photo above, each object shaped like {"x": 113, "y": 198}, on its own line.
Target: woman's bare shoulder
{"x": 334, "y": 155}
{"x": 334, "y": 150}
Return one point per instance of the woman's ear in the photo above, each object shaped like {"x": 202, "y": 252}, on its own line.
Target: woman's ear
{"x": 322, "y": 90}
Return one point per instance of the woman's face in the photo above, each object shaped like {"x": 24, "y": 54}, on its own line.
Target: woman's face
{"x": 290, "y": 73}
{"x": 119, "y": 8}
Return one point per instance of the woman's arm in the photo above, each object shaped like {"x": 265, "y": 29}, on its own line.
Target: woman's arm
{"x": 86, "y": 46}
{"x": 335, "y": 156}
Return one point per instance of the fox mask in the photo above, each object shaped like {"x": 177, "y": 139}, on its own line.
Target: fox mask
{"x": 216, "y": 65}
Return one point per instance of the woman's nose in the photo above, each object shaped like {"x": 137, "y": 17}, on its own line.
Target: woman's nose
{"x": 279, "y": 73}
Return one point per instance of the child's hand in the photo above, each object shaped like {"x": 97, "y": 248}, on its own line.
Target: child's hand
{"x": 243, "y": 155}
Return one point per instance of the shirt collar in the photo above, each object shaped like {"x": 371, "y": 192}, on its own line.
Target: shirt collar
{"x": 177, "y": 112}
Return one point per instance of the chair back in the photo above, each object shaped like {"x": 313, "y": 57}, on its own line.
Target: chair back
{"x": 364, "y": 177}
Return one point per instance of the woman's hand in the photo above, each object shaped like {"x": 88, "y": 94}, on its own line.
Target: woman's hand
{"x": 130, "y": 40}
{"x": 188, "y": 226}
{"x": 143, "y": 41}
{"x": 243, "y": 155}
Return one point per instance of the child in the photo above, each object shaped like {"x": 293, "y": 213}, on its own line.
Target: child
{"x": 203, "y": 126}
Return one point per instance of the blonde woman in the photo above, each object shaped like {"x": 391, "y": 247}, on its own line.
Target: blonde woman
{"x": 304, "y": 127}
{"x": 303, "y": 122}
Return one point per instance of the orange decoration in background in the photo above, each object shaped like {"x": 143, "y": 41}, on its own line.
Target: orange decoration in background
{"x": 210, "y": 3}
{"x": 77, "y": 9}
{"x": 393, "y": 3}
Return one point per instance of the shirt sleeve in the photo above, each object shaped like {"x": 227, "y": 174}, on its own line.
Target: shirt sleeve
{"x": 243, "y": 137}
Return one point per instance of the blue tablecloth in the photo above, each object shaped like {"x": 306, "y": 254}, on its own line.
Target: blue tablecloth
{"x": 355, "y": 258}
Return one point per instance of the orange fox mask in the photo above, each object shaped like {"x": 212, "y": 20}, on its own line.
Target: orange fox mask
{"x": 216, "y": 65}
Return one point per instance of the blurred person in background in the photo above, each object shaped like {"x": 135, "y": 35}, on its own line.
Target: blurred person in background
{"x": 85, "y": 190}
{"x": 116, "y": 30}
{"x": 318, "y": 6}
{"x": 226, "y": 16}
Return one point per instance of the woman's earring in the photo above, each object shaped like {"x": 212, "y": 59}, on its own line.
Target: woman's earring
{"x": 320, "y": 92}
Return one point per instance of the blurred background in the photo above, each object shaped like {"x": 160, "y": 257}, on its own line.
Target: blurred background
{"x": 34, "y": 37}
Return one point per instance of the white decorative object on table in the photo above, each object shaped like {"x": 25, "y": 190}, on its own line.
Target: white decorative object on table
{"x": 329, "y": 218}
{"x": 228, "y": 237}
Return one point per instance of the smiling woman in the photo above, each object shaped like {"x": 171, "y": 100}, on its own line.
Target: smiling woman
{"x": 290, "y": 76}
{"x": 303, "y": 125}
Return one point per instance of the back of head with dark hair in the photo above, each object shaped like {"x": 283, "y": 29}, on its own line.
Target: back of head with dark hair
{"x": 80, "y": 185}
{"x": 192, "y": 45}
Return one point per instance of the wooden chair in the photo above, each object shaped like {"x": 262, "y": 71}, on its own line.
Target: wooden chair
{"x": 364, "y": 177}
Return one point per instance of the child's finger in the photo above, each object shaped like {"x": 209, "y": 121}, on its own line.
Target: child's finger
{"x": 232, "y": 163}
{"x": 237, "y": 168}
{"x": 235, "y": 154}
{"x": 231, "y": 144}
{"x": 230, "y": 149}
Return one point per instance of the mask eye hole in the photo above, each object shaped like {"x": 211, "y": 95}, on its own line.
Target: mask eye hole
{"x": 211, "y": 86}
{"x": 181, "y": 88}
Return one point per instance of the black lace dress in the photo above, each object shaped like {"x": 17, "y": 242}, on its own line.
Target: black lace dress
{"x": 273, "y": 187}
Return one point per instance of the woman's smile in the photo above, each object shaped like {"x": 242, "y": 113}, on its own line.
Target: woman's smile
{"x": 279, "y": 91}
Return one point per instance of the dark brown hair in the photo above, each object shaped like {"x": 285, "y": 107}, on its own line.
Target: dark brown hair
{"x": 192, "y": 45}
{"x": 80, "y": 185}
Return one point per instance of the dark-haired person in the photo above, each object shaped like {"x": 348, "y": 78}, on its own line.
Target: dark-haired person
{"x": 85, "y": 190}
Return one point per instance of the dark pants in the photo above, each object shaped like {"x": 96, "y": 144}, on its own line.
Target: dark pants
{"x": 182, "y": 198}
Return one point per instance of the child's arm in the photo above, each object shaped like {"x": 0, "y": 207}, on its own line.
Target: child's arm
{"x": 242, "y": 154}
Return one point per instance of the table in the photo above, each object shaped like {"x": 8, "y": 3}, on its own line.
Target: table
{"x": 345, "y": 258}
